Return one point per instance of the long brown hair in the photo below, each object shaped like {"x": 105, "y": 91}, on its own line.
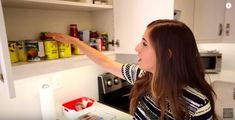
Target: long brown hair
{"x": 178, "y": 66}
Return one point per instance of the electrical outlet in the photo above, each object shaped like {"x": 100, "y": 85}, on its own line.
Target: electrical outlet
{"x": 227, "y": 112}
{"x": 56, "y": 81}
{"x": 45, "y": 81}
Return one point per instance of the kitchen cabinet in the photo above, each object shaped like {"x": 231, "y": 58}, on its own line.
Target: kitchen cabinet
{"x": 213, "y": 22}
{"x": 229, "y": 26}
{"x": 24, "y": 19}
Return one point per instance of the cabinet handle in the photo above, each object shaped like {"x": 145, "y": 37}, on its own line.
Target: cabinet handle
{"x": 1, "y": 78}
{"x": 227, "y": 29}
{"x": 113, "y": 42}
{"x": 220, "y": 29}
{"x": 234, "y": 94}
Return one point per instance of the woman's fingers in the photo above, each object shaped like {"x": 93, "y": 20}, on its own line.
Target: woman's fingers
{"x": 50, "y": 34}
{"x": 62, "y": 38}
{"x": 57, "y": 36}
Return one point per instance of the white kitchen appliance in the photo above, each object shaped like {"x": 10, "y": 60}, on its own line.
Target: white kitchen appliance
{"x": 211, "y": 61}
{"x": 225, "y": 102}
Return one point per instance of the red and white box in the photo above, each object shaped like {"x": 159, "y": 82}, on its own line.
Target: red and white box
{"x": 78, "y": 107}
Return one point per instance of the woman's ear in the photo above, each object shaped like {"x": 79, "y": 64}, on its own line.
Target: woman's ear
{"x": 170, "y": 53}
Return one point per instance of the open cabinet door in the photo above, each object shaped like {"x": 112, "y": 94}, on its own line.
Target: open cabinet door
{"x": 6, "y": 82}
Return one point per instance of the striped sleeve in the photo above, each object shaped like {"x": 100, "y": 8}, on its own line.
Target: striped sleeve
{"x": 198, "y": 104}
{"x": 203, "y": 113}
{"x": 131, "y": 72}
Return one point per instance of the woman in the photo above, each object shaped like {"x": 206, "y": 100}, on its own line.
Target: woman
{"x": 168, "y": 81}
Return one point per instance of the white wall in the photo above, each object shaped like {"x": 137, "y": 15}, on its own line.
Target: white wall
{"x": 129, "y": 25}
{"x": 75, "y": 83}
{"x": 187, "y": 11}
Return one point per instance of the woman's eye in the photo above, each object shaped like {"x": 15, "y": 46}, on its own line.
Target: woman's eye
{"x": 144, "y": 44}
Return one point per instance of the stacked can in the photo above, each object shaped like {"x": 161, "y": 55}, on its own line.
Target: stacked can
{"x": 13, "y": 51}
{"x": 21, "y": 50}
{"x": 64, "y": 50}
{"x": 55, "y": 50}
{"x": 51, "y": 49}
{"x": 34, "y": 50}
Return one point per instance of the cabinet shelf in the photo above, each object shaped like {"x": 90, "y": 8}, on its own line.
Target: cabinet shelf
{"x": 30, "y": 69}
{"x": 54, "y": 5}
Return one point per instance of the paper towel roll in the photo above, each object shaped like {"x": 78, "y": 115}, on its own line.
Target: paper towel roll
{"x": 47, "y": 102}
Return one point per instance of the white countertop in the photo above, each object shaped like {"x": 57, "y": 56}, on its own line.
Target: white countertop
{"x": 223, "y": 76}
{"x": 119, "y": 114}
{"x": 104, "y": 111}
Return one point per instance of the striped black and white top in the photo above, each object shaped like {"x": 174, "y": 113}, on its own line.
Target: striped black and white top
{"x": 198, "y": 104}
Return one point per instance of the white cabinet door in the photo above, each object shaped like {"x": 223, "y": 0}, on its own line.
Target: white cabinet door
{"x": 6, "y": 83}
{"x": 131, "y": 18}
{"x": 229, "y": 26}
{"x": 209, "y": 19}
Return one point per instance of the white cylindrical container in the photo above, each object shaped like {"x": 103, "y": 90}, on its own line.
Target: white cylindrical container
{"x": 47, "y": 102}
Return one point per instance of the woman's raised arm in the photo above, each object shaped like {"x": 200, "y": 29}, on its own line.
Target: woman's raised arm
{"x": 96, "y": 56}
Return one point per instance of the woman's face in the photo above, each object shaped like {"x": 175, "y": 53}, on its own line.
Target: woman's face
{"x": 146, "y": 53}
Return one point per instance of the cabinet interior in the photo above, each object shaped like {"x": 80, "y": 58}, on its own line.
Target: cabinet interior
{"x": 25, "y": 22}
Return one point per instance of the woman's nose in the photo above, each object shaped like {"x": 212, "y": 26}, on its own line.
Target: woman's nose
{"x": 137, "y": 47}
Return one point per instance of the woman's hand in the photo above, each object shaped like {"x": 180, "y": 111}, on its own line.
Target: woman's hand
{"x": 99, "y": 58}
{"x": 63, "y": 38}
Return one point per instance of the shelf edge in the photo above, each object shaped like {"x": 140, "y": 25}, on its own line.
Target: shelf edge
{"x": 51, "y": 66}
